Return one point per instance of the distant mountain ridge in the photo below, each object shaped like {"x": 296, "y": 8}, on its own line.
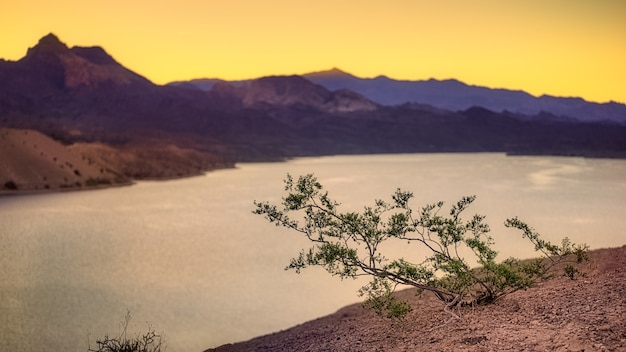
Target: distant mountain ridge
{"x": 81, "y": 96}
{"x": 455, "y": 96}
{"x": 86, "y": 66}
{"x": 450, "y": 95}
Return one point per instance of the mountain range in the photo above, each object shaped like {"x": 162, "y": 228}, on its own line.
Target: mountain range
{"x": 452, "y": 95}
{"x": 455, "y": 95}
{"x": 134, "y": 129}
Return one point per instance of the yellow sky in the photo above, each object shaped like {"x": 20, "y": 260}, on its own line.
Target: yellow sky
{"x": 557, "y": 47}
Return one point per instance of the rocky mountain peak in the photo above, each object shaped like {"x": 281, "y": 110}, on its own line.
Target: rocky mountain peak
{"x": 47, "y": 44}
{"x": 94, "y": 54}
{"x": 84, "y": 67}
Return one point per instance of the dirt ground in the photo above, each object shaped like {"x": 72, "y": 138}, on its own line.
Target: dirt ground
{"x": 586, "y": 314}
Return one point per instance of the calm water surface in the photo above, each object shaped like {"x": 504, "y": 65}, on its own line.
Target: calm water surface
{"x": 189, "y": 258}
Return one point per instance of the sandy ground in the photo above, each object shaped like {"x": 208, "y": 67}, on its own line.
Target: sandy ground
{"x": 586, "y": 314}
{"x": 33, "y": 162}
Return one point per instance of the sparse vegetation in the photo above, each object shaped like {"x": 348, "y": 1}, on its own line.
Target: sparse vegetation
{"x": 10, "y": 185}
{"x": 93, "y": 182}
{"x": 148, "y": 342}
{"x": 351, "y": 244}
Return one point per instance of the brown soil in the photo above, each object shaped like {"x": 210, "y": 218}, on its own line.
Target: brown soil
{"x": 586, "y": 314}
{"x": 33, "y": 162}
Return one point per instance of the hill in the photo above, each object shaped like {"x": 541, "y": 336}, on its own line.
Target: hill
{"x": 34, "y": 162}
{"x": 586, "y": 314}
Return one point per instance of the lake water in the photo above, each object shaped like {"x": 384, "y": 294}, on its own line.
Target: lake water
{"x": 188, "y": 256}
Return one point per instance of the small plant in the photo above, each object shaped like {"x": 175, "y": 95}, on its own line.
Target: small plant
{"x": 349, "y": 245}
{"x": 571, "y": 272}
{"x": 93, "y": 182}
{"x": 148, "y": 342}
{"x": 10, "y": 185}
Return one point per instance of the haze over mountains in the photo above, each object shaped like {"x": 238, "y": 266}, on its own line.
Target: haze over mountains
{"x": 452, "y": 95}
{"x": 455, "y": 95}
{"x": 136, "y": 129}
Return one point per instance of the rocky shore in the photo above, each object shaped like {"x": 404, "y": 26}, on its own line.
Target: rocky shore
{"x": 586, "y": 314}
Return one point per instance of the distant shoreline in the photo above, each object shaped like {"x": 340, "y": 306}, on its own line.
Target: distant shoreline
{"x": 39, "y": 191}
{"x": 133, "y": 181}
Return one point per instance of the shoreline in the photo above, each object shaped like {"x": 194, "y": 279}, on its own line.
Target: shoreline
{"x": 41, "y": 189}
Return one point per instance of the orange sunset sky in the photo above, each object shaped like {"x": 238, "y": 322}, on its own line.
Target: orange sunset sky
{"x": 557, "y": 47}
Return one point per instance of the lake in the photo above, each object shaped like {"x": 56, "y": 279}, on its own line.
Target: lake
{"x": 189, "y": 258}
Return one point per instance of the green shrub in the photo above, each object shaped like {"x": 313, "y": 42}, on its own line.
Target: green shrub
{"x": 348, "y": 245}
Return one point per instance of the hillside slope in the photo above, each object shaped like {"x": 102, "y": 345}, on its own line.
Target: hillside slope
{"x": 31, "y": 161}
{"x": 587, "y": 314}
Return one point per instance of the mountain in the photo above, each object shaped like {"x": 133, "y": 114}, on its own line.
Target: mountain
{"x": 82, "y": 95}
{"x": 455, "y": 96}
{"x": 295, "y": 91}
{"x": 50, "y": 68}
{"x": 83, "y": 99}
{"x": 84, "y": 67}
{"x": 282, "y": 90}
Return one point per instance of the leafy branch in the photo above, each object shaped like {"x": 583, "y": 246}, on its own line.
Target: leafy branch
{"x": 348, "y": 245}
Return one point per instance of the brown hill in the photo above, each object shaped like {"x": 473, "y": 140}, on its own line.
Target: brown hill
{"x": 32, "y": 161}
{"x": 587, "y": 314}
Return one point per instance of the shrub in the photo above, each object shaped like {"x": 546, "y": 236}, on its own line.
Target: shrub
{"x": 148, "y": 342}
{"x": 10, "y": 185}
{"x": 93, "y": 182}
{"x": 348, "y": 245}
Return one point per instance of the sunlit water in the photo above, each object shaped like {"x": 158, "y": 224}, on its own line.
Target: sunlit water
{"x": 189, "y": 257}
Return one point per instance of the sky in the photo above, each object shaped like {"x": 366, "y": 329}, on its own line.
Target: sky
{"x": 557, "y": 47}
